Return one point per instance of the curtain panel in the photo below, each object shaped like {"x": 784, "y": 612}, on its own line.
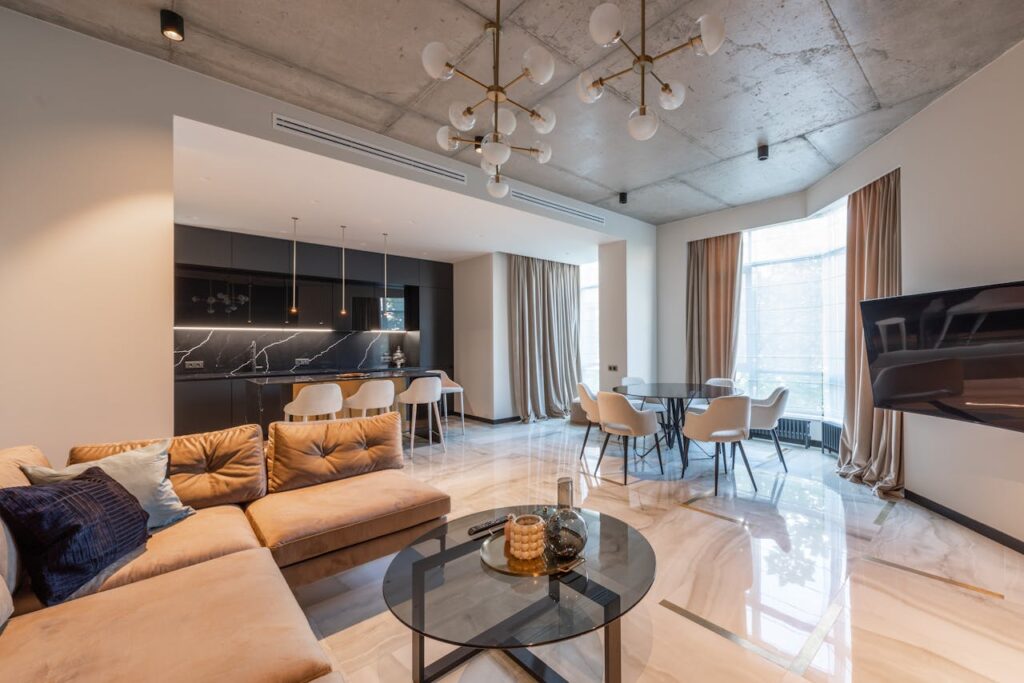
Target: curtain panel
{"x": 712, "y": 306}
{"x": 544, "y": 336}
{"x": 871, "y": 449}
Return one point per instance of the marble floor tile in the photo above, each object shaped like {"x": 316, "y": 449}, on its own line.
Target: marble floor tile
{"x": 797, "y": 581}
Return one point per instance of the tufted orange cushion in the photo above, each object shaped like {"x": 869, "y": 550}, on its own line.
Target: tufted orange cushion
{"x": 213, "y": 468}
{"x": 306, "y": 453}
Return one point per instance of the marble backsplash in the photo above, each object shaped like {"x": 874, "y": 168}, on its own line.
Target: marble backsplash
{"x": 232, "y": 351}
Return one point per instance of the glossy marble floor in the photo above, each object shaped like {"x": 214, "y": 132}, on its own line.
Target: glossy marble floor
{"x": 811, "y": 578}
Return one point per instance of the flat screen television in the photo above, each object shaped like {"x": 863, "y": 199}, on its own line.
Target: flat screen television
{"x": 957, "y": 354}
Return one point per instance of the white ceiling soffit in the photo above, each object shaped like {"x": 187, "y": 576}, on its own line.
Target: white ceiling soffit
{"x": 231, "y": 181}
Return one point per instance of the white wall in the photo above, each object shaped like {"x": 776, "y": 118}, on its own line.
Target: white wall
{"x": 502, "y": 370}
{"x": 86, "y": 215}
{"x": 627, "y": 281}
{"x": 962, "y": 225}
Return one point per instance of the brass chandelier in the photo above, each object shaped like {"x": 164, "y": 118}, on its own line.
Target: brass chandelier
{"x": 606, "y": 30}
{"x": 495, "y": 145}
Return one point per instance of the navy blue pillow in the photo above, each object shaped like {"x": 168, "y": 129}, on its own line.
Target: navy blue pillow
{"x": 67, "y": 533}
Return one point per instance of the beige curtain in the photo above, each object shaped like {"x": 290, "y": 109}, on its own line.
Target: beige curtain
{"x": 544, "y": 336}
{"x": 871, "y": 450}
{"x": 712, "y": 307}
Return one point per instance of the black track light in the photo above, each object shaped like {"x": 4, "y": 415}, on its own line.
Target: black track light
{"x": 172, "y": 25}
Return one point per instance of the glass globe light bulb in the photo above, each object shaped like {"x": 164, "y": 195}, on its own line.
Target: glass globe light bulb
{"x": 495, "y": 149}
{"x": 488, "y": 167}
{"x": 606, "y": 24}
{"x": 460, "y": 115}
{"x": 712, "y": 35}
{"x": 445, "y": 140}
{"x": 544, "y": 121}
{"x": 642, "y": 124}
{"x": 541, "y": 152}
{"x": 506, "y": 124}
{"x": 672, "y": 98}
{"x": 435, "y": 58}
{"x": 496, "y": 187}
{"x": 538, "y": 64}
{"x": 586, "y": 89}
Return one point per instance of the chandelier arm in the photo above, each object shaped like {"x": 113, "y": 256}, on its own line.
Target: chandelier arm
{"x": 525, "y": 150}
{"x": 631, "y": 50}
{"x": 661, "y": 82}
{"x": 531, "y": 112}
{"x": 515, "y": 80}
{"x": 471, "y": 108}
{"x": 469, "y": 78}
{"x": 605, "y": 79}
{"x": 675, "y": 49}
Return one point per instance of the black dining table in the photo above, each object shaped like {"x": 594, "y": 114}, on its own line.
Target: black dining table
{"x": 676, "y": 397}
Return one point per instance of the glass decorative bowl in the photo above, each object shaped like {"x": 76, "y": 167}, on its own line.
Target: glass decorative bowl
{"x": 566, "y": 533}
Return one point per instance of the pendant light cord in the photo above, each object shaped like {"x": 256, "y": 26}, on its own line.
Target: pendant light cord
{"x": 344, "y": 308}
{"x": 295, "y": 249}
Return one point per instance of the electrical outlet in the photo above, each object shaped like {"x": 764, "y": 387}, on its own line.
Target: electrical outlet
{"x": 194, "y": 365}
{"x": 613, "y": 368}
{"x": 299, "y": 362}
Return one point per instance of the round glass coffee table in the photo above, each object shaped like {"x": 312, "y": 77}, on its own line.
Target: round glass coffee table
{"x": 440, "y": 588}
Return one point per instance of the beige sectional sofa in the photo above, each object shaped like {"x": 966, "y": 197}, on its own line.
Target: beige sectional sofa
{"x": 209, "y": 599}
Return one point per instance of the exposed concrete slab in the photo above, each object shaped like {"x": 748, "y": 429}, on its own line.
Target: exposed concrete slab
{"x": 843, "y": 141}
{"x": 416, "y": 130}
{"x": 792, "y": 166}
{"x": 549, "y": 176}
{"x": 912, "y": 47}
{"x": 486, "y": 7}
{"x": 664, "y": 201}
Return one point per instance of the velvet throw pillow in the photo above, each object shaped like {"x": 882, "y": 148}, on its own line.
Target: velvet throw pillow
{"x": 143, "y": 472}
{"x": 67, "y": 533}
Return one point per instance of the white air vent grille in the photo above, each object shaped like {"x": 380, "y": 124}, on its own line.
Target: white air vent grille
{"x": 310, "y": 131}
{"x": 555, "y": 206}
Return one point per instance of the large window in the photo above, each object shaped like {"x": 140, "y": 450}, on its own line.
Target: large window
{"x": 589, "y": 357}
{"x": 792, "y": 303}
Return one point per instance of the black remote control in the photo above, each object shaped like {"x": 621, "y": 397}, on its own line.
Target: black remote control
{"x": 484, "y": 526}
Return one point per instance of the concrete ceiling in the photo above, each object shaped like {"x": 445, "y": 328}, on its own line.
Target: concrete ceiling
{"x": 230, "y": 181}
{"x": 819, "y": 80}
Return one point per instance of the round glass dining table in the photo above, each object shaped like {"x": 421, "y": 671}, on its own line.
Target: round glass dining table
{"x": 676, "y": 397}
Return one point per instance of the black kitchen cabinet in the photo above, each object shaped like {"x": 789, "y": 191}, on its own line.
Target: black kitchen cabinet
{"x": 435, "y": 274}
{"x": 316, "y": 304}
{"x": 436, "y": 319}
{"x": 403, "y": 271}
{"x": 317, "y": 260}
{"x": 202, "y": 247}
{"x": 263, "y": 254}
{"x": 364, "y": 266}
{"x": 202, "y": 406}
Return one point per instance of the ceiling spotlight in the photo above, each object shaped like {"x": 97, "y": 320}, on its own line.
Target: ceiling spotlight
{"x": 172, "y": 25}
{"x": 623, "y": 197}
{"x": 762, "y": 152}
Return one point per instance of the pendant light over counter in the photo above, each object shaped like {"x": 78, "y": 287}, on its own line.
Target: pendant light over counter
{"x": 344, "y": 309}
{"x": 294, "y": 310}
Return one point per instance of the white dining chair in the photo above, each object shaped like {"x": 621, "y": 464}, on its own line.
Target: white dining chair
{"x": 726, "y": 421}
{"x": 765, "y": 414}
{"x": 589, "y": 404}
{"x": 377, "y": 394}
{"x": 619, "y": 417}
{"x": 713, "y": 382}
{"x": 424, "y": 391}
{"x": 654, "y": 404}
{"x": 450, "y": 387}
{"x": 315, "y": 400}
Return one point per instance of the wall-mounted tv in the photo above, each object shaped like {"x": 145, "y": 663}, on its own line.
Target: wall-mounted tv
{"x": 956, "y": 354}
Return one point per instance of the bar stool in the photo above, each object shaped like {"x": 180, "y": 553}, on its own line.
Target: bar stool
{"x": 377, "y": 394}
{"x": 315, "y": 400}
{"x": 424, "y": 390}
{"x": 450, "y": 386}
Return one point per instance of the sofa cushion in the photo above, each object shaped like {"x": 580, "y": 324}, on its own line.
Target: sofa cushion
{"x": 11, "y": 460}
{"x": 69, "y": 532}
{"x": 6, "y": 604}
{"x": 229, "y": 619}
{"x": 305, "y": 453}
{"x": 303, "y": 523}
{"x": 213, "y": 468}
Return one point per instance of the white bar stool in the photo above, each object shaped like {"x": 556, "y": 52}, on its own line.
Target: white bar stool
{"x": 424, "y": 390}
{"x": 315, "y": 400}
{"x": 450, "y": 386}
{"x": 377, "y": 394}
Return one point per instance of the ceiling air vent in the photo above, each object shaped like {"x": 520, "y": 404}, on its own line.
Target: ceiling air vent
{"x": 312, "y": 132}
{"x": 555, "y": 206}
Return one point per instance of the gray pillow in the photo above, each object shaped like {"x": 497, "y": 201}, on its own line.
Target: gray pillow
{"x": 143, "y": 472}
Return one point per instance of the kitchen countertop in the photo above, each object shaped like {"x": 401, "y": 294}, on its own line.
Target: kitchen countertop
{"x": 289, "y": 377}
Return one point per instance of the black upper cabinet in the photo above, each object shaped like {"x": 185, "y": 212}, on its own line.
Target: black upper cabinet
{"x": 264, "y": 254}
{"x": 316, "y": 304}
{"x": 436, "y": 327}
{"x": 317, "y": 260}
{"x": 435, "y": 274}
{"x": 403, "y": 271}
{"x": 364, "y": 266}
{"x": 202, "y": 247}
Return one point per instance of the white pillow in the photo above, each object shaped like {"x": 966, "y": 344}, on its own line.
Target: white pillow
{"x": 143, "y": 472}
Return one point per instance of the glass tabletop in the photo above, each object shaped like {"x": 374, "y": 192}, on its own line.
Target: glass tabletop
{"x": 677, "y": 390}
{"x": 439, "y": 586}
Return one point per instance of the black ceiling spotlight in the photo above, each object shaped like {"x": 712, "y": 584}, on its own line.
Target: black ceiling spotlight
{"x": 477, "y": 141}
{"x": 623, "y": 197}
{"x": 762, "y": 152}
{"x": 172, "y": 25}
